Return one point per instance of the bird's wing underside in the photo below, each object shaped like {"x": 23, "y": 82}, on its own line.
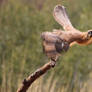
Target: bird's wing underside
{"x": 61, "y": 17}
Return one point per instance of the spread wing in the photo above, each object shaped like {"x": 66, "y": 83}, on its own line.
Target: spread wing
{"x": 61, "y": 17}
{"x": 49, "y": 47}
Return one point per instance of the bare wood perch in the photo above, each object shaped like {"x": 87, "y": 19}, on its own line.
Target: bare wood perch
{"x": 28, "y": 81}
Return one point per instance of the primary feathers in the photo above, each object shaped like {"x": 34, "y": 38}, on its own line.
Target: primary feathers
{"x": 62, "y": 18}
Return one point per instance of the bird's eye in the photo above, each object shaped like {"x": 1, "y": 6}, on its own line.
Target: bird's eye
{"x": 90, "y": 33}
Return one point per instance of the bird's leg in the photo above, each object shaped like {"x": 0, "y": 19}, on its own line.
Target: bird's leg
{"x": 53, "y": 61}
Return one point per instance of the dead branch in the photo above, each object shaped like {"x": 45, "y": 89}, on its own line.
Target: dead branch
{"x": 28, "y": 81}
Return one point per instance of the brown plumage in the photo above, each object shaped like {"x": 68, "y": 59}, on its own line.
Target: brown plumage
{"x": 58, "y": 41}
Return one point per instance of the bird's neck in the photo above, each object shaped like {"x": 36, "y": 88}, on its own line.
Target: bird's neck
{"x": 84, "y": 40}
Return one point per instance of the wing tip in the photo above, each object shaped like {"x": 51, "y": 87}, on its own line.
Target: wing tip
{"x": 58, "y": 7}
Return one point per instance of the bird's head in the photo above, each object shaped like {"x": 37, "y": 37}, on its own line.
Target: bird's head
{"x": 89, "y": 34}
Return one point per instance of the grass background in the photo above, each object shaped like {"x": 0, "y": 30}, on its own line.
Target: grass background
{"x": 21, "y": 23}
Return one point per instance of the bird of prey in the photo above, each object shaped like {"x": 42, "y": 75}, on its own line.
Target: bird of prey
{"x": 58, "y": 41}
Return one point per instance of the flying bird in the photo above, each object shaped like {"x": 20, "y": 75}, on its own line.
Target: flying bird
{"x": 59, "y": 41}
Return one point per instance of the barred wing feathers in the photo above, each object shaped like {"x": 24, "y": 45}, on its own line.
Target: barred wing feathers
{"x": 62, "y": 18}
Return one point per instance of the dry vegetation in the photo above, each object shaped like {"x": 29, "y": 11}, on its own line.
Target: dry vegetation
{"x": 21, "y": 23}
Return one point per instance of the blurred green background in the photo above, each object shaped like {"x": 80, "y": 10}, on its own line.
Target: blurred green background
{"x": 21, "y": 24}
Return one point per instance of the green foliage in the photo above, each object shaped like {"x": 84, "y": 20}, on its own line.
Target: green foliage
{"x": 21, "y": 24}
